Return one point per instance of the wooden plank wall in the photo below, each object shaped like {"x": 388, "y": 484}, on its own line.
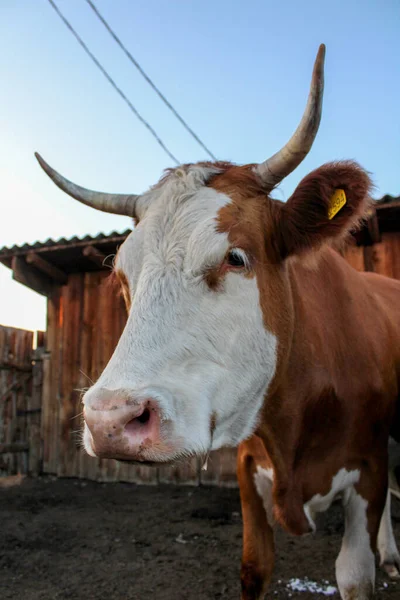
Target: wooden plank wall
{"x": 382, "y": 258}
{"x": 15, "y": 396}
{"x": 85, "y": 321}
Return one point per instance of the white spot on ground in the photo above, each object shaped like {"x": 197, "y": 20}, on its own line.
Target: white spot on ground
{"x": 305, "y": 585}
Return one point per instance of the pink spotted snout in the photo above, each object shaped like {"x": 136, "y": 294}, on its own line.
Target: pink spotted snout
{"x": 118, "y": 425}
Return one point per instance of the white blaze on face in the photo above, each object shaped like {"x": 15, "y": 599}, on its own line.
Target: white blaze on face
{"x": 204, "y": 355}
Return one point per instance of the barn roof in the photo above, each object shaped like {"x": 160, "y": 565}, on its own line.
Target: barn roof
{"x": 388, "y": 199}
{"x": 388, "y": 213}
{"x": 68, "y": 254}
{"x": 42, "y": 265}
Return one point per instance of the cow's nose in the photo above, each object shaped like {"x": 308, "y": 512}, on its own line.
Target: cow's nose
{"x": 120, "y": 426}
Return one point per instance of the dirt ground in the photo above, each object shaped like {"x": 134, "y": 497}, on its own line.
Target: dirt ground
{"x": 89, "y": 541}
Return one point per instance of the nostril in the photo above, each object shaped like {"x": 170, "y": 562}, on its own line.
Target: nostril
{"x": 144, "y": 417}
{"x": 138, "y": 423}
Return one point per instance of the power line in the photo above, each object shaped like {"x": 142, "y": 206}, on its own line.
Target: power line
{"x": 147, "y": 78}
{"x": 112, "y": 82}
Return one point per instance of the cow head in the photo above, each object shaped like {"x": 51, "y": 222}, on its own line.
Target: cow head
{"x": 205, "y": 278}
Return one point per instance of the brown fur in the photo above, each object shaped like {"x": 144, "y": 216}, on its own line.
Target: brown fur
{"x": 212, "y": 277}
{"x": 332, "y": 402}
{"x": 304, "y": 222}
{"x": 255, "y": 574}
{"x": 125, "y": 288}
{"x": 118, "y": 283}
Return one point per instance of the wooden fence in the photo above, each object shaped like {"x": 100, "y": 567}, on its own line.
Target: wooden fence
{"x": 20, "y": 401}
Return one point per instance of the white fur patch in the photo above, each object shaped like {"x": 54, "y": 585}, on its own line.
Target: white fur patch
{"x": 389, "y": 555}
{"x": 394, "y": 461}
{"x": 355, "y": 565}
{"x": 203, "y": 355}
{"x": 263, "y": 480}
{"x": 340, "y": 483}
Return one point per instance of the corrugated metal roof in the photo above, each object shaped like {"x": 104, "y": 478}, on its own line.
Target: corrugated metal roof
{"x": 66, "y": 255}
{"x": 50, "y": 243}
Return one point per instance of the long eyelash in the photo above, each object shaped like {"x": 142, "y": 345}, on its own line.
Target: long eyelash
{"x": 239, "y": 252}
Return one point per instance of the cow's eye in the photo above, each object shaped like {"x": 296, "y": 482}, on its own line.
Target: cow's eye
{"x": 236, "y": 259}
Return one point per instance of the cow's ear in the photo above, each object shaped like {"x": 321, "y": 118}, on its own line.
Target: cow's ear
{"x": 326, "y": 205}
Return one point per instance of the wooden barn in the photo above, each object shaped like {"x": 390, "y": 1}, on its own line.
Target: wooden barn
{"x": 40, "y": 392}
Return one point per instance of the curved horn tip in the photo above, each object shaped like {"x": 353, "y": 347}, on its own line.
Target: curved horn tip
{"x": 319, "y": 61}
{"x": 42, "y": 162}
{"x": 321, "y": 51}
{"x": 281, "y": 164}
{"x": 52, "y": 173}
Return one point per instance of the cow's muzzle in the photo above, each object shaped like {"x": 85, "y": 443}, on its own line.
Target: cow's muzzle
{"x": 119, "y": 425}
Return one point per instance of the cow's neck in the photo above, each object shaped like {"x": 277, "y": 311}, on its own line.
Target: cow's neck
{"x": 283, "y": 414}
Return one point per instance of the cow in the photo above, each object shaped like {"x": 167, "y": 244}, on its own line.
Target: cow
{"x": 246, "y": 327}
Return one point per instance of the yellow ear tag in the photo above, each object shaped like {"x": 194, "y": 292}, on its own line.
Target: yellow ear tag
{"x": 336, "y": 203}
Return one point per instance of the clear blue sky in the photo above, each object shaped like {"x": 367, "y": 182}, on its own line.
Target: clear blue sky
{"x": 238, "y": 72}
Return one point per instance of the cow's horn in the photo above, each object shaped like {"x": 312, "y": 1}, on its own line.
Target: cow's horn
{"x": 273, "y": 170}
{"x": 119, "y": 204}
